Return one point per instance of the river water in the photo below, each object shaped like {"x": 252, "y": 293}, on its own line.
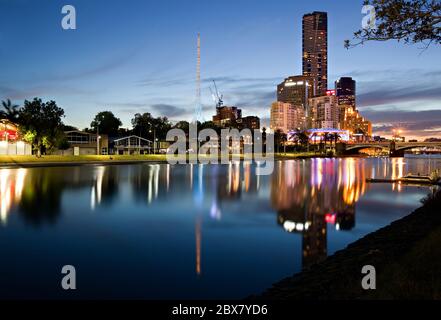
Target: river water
{"x": 189, "y": 231}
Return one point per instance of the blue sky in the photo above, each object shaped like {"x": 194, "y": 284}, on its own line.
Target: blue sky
{"x": 137, "y": 56}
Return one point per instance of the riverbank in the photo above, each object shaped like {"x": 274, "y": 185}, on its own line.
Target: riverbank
{"x": 406, "y": 255}
{"x": 52, "y": 161}
{"x": 69, "y": 160}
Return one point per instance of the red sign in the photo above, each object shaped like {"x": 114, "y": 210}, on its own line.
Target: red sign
{"x": 330, "y": 218}
{"x": 9, "y": 134}
{"x": 330, "y": 92}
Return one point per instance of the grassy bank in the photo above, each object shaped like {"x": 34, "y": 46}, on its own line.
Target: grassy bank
{"x": 4, "y": 160}
{"x": 406, "y": 255}
{"x": 52, "y": 159}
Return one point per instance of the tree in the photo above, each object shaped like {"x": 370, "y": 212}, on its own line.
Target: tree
{"x": 162, "y": 125}
{"x": 145, "y": 125}
{"x": 209, "y": 125}
{"x": 279, "y": 138}
{"x": 41, "y": 124}
{"x": 106, "y": 123}
{"x": 10, "y": 111}
{"x": 314, "y": 140}
{"x": 142, "y": 124}
{"x": 336, "y": 138}
{"x": 66, "y": 127}
{"x": 402, "y": 20}
{"x": 183, "y": 125}
{"x": 302, "y": 137}
{"x": 62, "y": 142}
{"x": 323, "y": 143}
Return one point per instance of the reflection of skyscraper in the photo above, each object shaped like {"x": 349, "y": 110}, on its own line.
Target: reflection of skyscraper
{"x": 314, "y": 244}
{"x": 310, "y": 195}
{"x": 315, "y": 50}
{"x": 198, "y": 245}
{"x": 345, "y": 220}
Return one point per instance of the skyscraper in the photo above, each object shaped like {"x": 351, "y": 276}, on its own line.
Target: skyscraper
{"x": 345, "y": 90}
{"x": 295, "y": 90}
{"x": 349, "y": 117}
{"x": 286, "y": 117}
{"x": 325, "y": 112}
{"x": 315, "y": 50}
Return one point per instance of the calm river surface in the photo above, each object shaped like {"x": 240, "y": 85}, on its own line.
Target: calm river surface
{"x": 203, "y": 231}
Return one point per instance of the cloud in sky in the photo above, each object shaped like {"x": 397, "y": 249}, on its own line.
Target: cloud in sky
{"x": 18, "y": 94}
{"x": 388, "y": 87}
{"x": 388, "y": 103}
{"x": 144, "y": 57}
{"x": 386, "y": 95}
{"x": 409, "y": 99}
{"x": 426, "y": 123}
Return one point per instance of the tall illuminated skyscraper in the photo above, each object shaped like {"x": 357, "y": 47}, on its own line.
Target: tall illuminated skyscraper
{"x": 315, "y": 50}
{"x": 345, "y": 90}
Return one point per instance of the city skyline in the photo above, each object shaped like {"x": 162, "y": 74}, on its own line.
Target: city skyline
{"x": 247, "y": 53}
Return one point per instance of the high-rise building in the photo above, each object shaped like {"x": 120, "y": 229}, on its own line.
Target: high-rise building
{"x": 356, "y": 124}
{"x": 249, "y": 122}
{"x": 325, "y": 112}
{"x": 286, "y": 117}
{"x": 350, "y": 118}
{"x": 345, "y": 89}
{"x": 345, "y": 92}
{"x": 295, "y": 90}
{"x": 226, "y": 116}
{"x": 315, "y": 50}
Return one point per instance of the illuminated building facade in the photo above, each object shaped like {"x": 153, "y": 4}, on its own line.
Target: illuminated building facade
{"x": 315, "y": 50}
{"x": 358, "y": 126}
{"x": 226, "y": 116}
{"x": 324, "y": 111}
{"x": 350, "y": 118}
{"x": 322, "y": 108}
{"x": 286, "y": 117}
{"x": 345, "y": 90}
{"x": 295, "y": 90}
{"x": 249, "y": 122}
{"x": 10, "y": 140}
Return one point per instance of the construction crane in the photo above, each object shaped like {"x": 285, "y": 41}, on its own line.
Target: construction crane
{"x": 217, "y": 98}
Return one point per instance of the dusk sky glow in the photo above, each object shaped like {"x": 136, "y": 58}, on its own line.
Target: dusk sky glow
{"x": 140, "y": 56}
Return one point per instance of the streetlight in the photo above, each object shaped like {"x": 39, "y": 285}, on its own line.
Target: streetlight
{"x": 154, "y": 138}
{"x": 98, "y": 145}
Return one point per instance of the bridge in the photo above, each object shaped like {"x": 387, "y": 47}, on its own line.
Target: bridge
{"x": 396, "y": 149}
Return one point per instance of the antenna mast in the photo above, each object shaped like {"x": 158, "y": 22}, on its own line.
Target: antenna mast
{"x": 198, "y": 107}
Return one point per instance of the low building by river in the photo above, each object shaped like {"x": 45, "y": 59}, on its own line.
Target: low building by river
{"x": 10, "y": 140}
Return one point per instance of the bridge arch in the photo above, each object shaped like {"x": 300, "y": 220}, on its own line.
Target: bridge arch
{"x": 366, "y": 146}
{"x": 417, "y": 145}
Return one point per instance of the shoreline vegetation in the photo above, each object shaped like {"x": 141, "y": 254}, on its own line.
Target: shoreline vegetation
{"x": 406, "y": 255}
{"x": 69, "y": 160}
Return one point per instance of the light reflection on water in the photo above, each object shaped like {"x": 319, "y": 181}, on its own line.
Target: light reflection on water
{"x": 190, "y": 231}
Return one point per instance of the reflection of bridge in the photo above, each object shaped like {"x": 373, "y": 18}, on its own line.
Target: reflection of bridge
{"x": 396, "y": 149}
